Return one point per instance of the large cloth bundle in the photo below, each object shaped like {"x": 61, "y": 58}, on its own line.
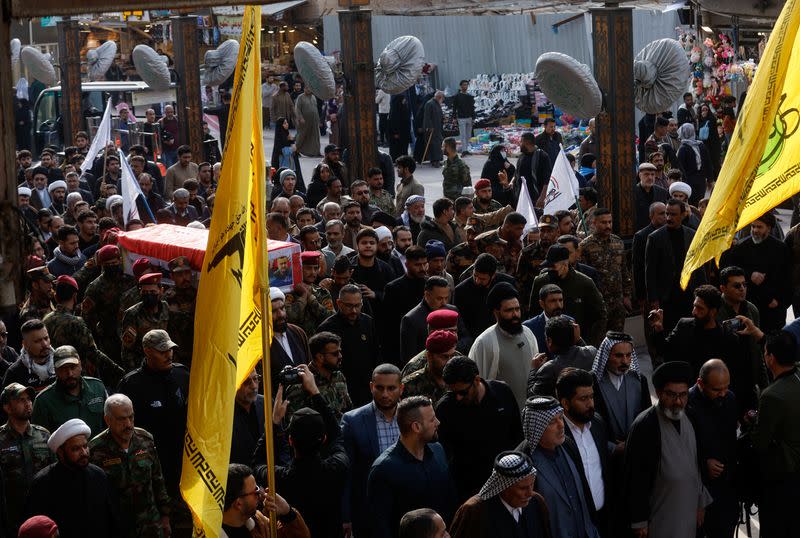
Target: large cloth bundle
{"x": 315, "y": 70}
{"x": 400, "y": 65}
{"x": 661, "y": 75}
{"x": 220, "y": 63}
{"x": 100, "y": 59}
{"x": 569, "y": 85}
{"x": 152, "y": 67}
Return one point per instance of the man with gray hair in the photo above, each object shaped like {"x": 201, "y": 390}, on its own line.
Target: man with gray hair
{"x": 432, "y": 124}
{"x": 334, "y": 233}
{"x": 184, "y": 213}
{"x": 129, "y": 458}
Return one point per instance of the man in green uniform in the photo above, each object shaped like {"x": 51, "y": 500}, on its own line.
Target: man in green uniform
{"x": 439, "y": 348}
{"x": 100, "y": 307}
{"x": 438, "y": 320}
{"x": 23, "y": 451}
{"x": 379, "y": 196}
{"x": 606, "y": 252}
{"x": 152, "y": 313}
{"x": 455, "y": 172}
{"x": 71, "y": 396}
{"x": 38, "y": 303}
{"x": 309, "y": 305}
{"x": 129, "y": 458}
{"x": 483, "y": 201}
{"x": 129, "y": 298}
{"x": 325, "y": 367}
{"x": 181, "y": 299}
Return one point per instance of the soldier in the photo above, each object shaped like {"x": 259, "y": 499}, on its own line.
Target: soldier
{"x": 181, "y": 300}
{"x": 325, "y": 367}
{"x": 91, "y": 269}
{"x": 483, "y": 201}
{"x": 438, "y": 320}
{"x": 129, "y": 298}
{"x": 64, "y": 328}
{"x": 100, "y": 307}
{"x": 151, "y": 313}
{"x": 464, "y": 254}
{"x": 531, "y": 258}
{"x": 309, "y": 305}
{"x": 606, "y": 252}
{"x": 510, "y": 232}
{"x": 439, "y": 347}
{"x": 38, "y": 303}
{"x": 23, "y": 451}
{"x": 129, "y": 458}
{"x": 379, "y": 196}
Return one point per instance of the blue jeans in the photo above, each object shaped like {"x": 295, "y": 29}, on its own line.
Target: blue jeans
{"x": 464, "y": 132}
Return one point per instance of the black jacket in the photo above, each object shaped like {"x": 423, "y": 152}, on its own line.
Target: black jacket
{"x": 535, "y": 169}
{"x": 661, "y": 270}
{"x": 637, "y": 257}
{"x": 470, "y": 299}
{"x": 414, "y": 331}
{"x": 429, "y": 230}
{"x": 248, "y": 427}
{"x": 298, "y": 343}
{"x": 19, "y": 372}
{"x": 642, "y": 201}
{"x": 400, "y": 296}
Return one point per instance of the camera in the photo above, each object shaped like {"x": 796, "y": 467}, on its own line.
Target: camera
{"x": 734, "y": 324}
{"x": 289, "y": 375}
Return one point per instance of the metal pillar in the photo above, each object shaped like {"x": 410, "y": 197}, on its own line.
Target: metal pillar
{"x": 190, "y": 107}
{"x": 612, "y": 36}
{"x": 69, "y": 53}
{"x": 355, "y": 27}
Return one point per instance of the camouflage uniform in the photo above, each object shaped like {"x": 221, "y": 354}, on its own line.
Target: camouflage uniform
{"x": 308, "y": 314}
{"x": 511, "y": 250}
{"x": 65, "y": 328}
{"x": 528, "y": 268}
{"x": 85, "y": 275}
{"x": 181, "y": 321}
{"x": 417, "y": 362}
{"x": 137, "y": 478}
{"x": 135, "y": 324}
{"x": 422, "y": 383}
{"x": 614, "y": 282}
{"x": 32, "y": 310}
{"x": 494, "y": 205}
{"x": 100, "y": 310}
{"x": 21, "y": 457}
{"x": 455, "y": 174}
{"x": 333, "y": 391}
{"x": 128, "y": 299}
{"x": 384, "y": 201}
{"x": 459, "y": 258}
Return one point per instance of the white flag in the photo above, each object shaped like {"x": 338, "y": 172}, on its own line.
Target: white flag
{"x": 130, "y": 189}
{"x": 525, "y": 208}
{"x": 101, "y": 138}
{"x": 563, "y": 186}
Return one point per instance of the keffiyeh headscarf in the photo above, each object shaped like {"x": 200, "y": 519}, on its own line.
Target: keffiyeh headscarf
{"x": 537, "y": 415}
{"x": 509, "y": 468}
{"x": 604, "y": 352}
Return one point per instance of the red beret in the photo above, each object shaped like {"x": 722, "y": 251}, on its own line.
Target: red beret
{"x": 140, "y": 267}
{"x": 66, "y": 279}
{"x": 440, "y": 341}
{"x": 107, "y": 253}
{"x": 38, "y": 527}
{"x": 310, "y": 257}
{"x": 150, "y": 278}
{"x": 442, "y": 319}
{"x": 482, "y": 184}
{"x": 32, "y": 262}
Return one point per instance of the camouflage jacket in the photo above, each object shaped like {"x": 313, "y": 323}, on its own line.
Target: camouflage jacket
{"x": 65, "y": 328}
{"x": 608, "y": 257}
{"x": 21, "y": 457}
{"x": 135, "y": 324}
{"x": 309, "y": 313}
{"x": 455, "y": 174}
{"x": 528, "y": 268}
{"x": 417, "y": 362}
{"x": 459, "y": 258}
{"x": 333, "y": 391}
{"x": 181, "y": 321}
{"x": 422, "y": 383}
{"x": 128, "y": 299}
{"x": 494, "y": 205}
{"x": 136, "y": 475}
{"x": 100, "y": 309}
{"x": 181, "y": 300}
{"x": 85, "y": 275}
{"x": 384, "y": 201}
{"x": 31, "y": 310}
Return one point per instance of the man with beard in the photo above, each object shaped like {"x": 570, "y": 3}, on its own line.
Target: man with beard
{"x": 414, "y": 215}
{"x": 87, "y": 228}
{"x": 23, "y": 451}
{"x": 455, "y": 172}
{"x": 462, "y": 256}
{"x": 665, "y": 492}
{"x": 378, "y": 196}
{"x": 58, "y": 195}
{"x": 436, "y": 252}
{"x": 360, "y": 342}
{"x": 657, "y": 160}
{"x": 562, "y": 352}
{"x": 39, "y": 302}
{"x": 34, "y": 367}
{"x": 412, "y": 473}
{"x": 531, "y": 257}
{"x": 129, "y": 458}
{"x": 71, "y": 396}
{"x": 713, "y": 410}
{"x": 441, "y": 226}
{"x": 338, "y": 169}
{"x": 333, "y": 193}
{"x": 248, "y": 419}
{"x": 101, "y": 302}
{"x": 658, "y": 217}
{"x": 408, "y": 185}
{"x": 533, "y": 167}
{"x": 766, "y": 262}
{"x": 181, "y": 298}
{"x": 480, "y": 418}
{"x": 551, "y": 301}
{"x": 352, "y": 220}
{"x": 440, "y": 347}
{"x": 371, "y": 273}
{"x": 368, "y": 431}
{"x": 89, "y": 508}
{"x": 308, "y": 304}
{"x": 359, "y": 192}
{"x": 505, "y": 350}
{"x": 400, "y": 296}
{"x": 289, "y": 342}
{"x": 483, "y": 201}
{"x": 152, "y": 313}
{"x": 386, "y": 251}
{"x": 403, "y": 238}
{"x": 334, "y": 234}
{"x": 67, "y": 257}
{"x": 469, "y": 296}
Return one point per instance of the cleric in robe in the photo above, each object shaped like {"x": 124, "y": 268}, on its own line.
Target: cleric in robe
{"x": 665, "y": 492}
{"x": 506, "y": 504}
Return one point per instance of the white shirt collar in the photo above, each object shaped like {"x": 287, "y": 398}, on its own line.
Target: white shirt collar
{"x": 515, "y": 512}
{"x": 576, "y": 430}
{"x": 615, "y": 379}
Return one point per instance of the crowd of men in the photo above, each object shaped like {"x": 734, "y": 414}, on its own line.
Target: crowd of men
{"x": 457, "y": 370}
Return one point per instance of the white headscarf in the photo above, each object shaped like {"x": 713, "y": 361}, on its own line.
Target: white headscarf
{"x": 687, "y": 135}
{"x": 22, "y": 88}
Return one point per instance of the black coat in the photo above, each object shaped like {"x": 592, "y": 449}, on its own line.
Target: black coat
{"x": 248, "y": 427}
{"x": 535, "y": 169}
{"x": 494, "y": 164}
{"x": 360, "y": 353}
{"x": 82, "y": 502}
{"x": 661, "y": 270}
{"x": 414, "y": 331}
{"x": 470, "y": 299}
{"x": 400, "y": 296}
{"x": 638, "y": 259}
{"x": 642, "y": 201}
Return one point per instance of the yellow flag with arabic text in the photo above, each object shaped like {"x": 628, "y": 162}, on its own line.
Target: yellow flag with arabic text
{"x": 762, "y": 166}
{"x": 228, "y": 322}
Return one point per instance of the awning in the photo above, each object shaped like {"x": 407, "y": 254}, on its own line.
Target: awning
{"x": 272, "y": 10}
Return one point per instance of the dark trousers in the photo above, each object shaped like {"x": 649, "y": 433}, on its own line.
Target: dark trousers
{"x": 777, "y": 516}
{"x": 721, "y": 518}
{"x": 383, "y": 120}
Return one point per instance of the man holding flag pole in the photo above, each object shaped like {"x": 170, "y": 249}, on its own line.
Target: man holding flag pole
{"x": 233, "y": 310}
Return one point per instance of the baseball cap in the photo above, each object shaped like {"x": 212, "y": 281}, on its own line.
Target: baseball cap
{"x": 159, "y": 340}
{"x": 64, "y": 355}
{"x": 14, "y": 391}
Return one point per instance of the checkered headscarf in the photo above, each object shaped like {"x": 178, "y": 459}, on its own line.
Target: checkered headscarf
{"x": 509, "y": 468}
{"x": 604, "y": 352}
{"x": 536, "y": 416}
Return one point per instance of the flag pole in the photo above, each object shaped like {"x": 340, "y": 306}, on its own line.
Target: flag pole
{"x": 580, "y": 214}
{"x": 266, "y": 372}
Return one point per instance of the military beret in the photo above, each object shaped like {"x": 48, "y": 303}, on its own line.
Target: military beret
{"x": 150, "y": 278}
{"x": 107, "y": 253}
{"x": 179, "y": 264}
{"x": 40, "y": 273}
{"x": 68, "y": 280}
{"x": 32, "y": 262}
{"x": 548, "y": 220}
{"x": 672, "y": 372}
{"x": 482, "y": 184}
{"x": 140, "y": 267}
{"x": 440, "y": 341}
{"x": 444, "y": 318}
{"x": 500, "y": 292}
{"x": 38, "y": 527}
{"x": 310, "y": 257}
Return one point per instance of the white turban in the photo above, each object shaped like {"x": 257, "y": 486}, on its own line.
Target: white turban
{"x": 113, "y": 199}
{"x": 66, "y": 431}
{"x": 680, "y": 186}
{"x": 383, "y": 233}
{"x": 60, "y": 184}
{"x": 197, "y": 225}
{"x": 275, "y": 294}
{"x": 23, "y": 191}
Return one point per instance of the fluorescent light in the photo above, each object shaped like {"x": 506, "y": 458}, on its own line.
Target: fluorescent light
{"x": 707, "y": 30}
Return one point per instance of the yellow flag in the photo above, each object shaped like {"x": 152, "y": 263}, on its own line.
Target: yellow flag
{"x": 762, "y": 167}
{"x": 228, "y": 322}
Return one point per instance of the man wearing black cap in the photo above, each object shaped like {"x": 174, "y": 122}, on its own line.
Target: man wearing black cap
{"x": 505, "y": 350}
{"x": 766, "y": 262}
{"x": 582, "y": 299}
{"x": 666, "y": 496}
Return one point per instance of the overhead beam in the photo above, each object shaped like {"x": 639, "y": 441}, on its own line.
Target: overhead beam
{"x": 48, "y": 8}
